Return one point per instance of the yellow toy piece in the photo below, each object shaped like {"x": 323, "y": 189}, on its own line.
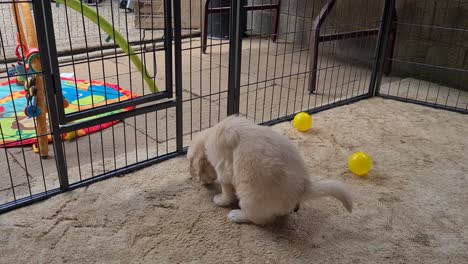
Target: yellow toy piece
{"x": 35, "y": 148}
{"x": 69, "y": 136}
{"x": 302, "y": 122}
{"x": 360, "y": 163}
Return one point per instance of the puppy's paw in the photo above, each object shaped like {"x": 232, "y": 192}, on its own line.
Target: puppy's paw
{"x": 222, "y": 200}
{"x": 237, "y": 216}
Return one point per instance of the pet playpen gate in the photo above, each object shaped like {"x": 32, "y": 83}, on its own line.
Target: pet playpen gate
{"x": 320, "y": 54}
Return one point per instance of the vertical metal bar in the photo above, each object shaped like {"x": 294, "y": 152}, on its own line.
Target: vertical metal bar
{"x": 249, "y": 65}
{"x": 168, "y": 45}
{"x": 47, "y": 17}
{"x": 286, "y": 36}
{"x": 178, "y": 76}
{"x": 235, "y": 53}
{"x": 258, "y": 69}
{"x": 190, "y": 72}
{"x": 382, "y": 42}
{"x": 51, "y": 75}
{"x": 391, "y": 46}
{"x": 210, "y": 83}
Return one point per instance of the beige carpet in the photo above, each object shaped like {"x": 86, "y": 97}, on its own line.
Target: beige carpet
{"x": 412, "y": 208}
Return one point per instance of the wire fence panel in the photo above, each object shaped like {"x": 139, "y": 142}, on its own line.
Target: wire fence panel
{"x": 323, "y": 54}
{"x": 205, "y": 72}
{"x": 429, "y": 61}
{"x": 101, "y": 82}
{"x": 74, "y": 32}
{"x": 25, "y": 172}
{"x": 277, "y": 47}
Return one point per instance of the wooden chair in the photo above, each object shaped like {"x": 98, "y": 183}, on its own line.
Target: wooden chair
{"x": 317, "y": 38}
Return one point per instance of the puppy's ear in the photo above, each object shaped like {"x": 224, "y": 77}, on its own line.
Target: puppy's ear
{"x": 194, "y": 171}
{"x": 200, "y": 168}
{"x": 207, "y": 172}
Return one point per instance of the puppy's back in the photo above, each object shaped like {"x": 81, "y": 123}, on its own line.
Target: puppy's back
{"x": 272, "y": 156}
{"x": 236, "y": 132}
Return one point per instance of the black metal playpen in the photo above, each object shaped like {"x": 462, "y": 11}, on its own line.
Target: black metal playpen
{"x": 112, "y": 87}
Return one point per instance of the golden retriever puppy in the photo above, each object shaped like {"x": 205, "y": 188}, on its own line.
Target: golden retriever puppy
{"x": 258, "y": 167}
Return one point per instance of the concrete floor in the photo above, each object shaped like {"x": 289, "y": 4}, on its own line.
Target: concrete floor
{"x": 273, "y": 84}
{"x": 411, "y": 208}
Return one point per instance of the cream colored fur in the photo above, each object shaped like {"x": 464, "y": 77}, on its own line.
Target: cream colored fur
{"x": 200, "y": 168}
{"x": 258, "y": 167}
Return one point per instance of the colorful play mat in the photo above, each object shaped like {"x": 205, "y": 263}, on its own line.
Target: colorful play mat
{"x": 17, "y": 129}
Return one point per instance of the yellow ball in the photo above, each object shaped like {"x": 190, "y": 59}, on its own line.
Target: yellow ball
{"x": 302, "y": 121}
{"x": 360, "y": 163}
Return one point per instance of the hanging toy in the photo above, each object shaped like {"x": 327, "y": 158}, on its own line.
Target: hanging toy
{"x": 20, "y": 70}
{"x": 23, "y": 66}
{"x": 30, "y": 88}
{"x": 30, "y": 56}
{"x": 20, "y": 49}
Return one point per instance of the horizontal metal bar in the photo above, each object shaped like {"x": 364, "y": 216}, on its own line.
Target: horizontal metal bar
{"x": 115, "y": 106}
{"x": 28, "y": 200}
{"x": 118, "y": 116}
{"x": 352, "y": 63}
{"x": 348, "y": 35}
{"x": 261, "y": 7}
{"x": 248, "y": 8}
{"x": 422, "y": 103}
{"x": 431, "y": 26}
{"x": 208, "y": 45}
{"x": 16, "y": 2}
{"x": 77, "y": 51}
{"x": 45, "y": 195}
{"x": 428, "y": 65}
{"x": 318, "y": 109}
{"x": 108, "y": 54}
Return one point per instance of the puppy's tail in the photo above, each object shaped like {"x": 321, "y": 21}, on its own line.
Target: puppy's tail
{"x": 334, "y": 189}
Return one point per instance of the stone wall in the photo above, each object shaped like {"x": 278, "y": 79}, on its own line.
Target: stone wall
{"x": 259, "y": 22}
{"x": 431, "y": 44}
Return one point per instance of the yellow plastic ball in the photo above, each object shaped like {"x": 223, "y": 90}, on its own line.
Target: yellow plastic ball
{"x": 302, "y": 121}
{"x": 360, "y": 163}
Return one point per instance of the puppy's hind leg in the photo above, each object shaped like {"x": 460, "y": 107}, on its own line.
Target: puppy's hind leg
{"x": 252, "y": 211}
{"x": 241, "y": 216}
{"x": 227, "y": 197}
{"x": 238, "y": 216}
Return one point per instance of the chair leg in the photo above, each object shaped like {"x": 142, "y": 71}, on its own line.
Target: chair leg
{"x": 314, "y": 61}
{"x": 204, "y": 26}
{"x": 276, "y": 22}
